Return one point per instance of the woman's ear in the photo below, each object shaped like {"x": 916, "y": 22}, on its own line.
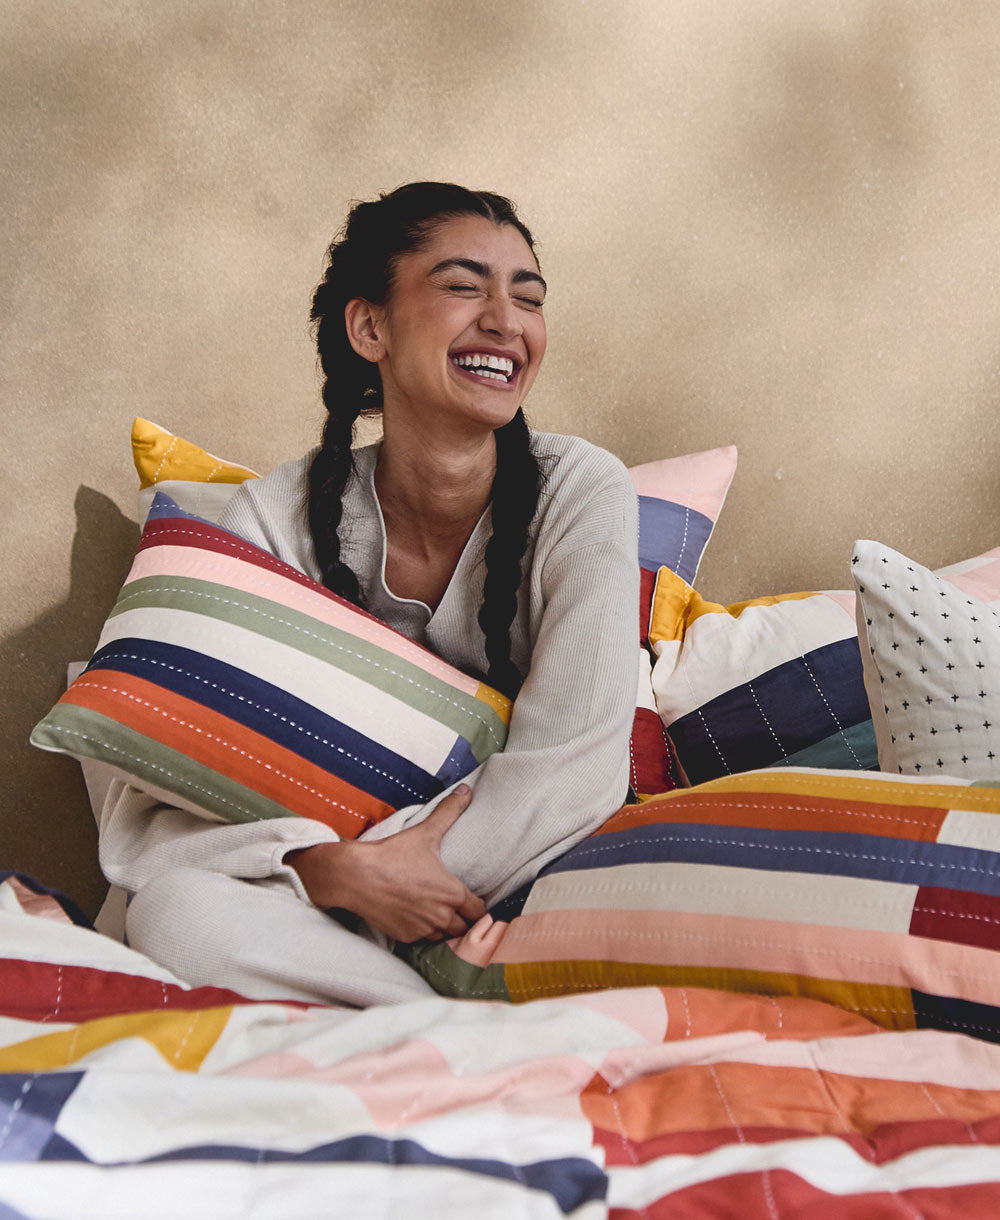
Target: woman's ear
{"x": 364, "y": 324}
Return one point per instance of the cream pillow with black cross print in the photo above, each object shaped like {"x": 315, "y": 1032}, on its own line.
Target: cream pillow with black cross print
{"x": 930, "y": 648}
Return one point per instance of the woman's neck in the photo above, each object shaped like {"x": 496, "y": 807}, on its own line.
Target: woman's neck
{"x": 434, "y": 492}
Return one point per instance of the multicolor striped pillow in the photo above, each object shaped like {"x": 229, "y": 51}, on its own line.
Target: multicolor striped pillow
{"x": 776, "y": 681}
{"x": 877, "y": 893}
{"x": 680, "y": 499}
{"x": 229, "y": 683}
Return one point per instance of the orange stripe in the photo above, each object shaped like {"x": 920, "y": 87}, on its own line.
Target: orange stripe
{"x": 703, "y": 1012}
{"x": 229, "y": 748}
{"x": 781, "y": 811}
{"x": 724, "y": 1095}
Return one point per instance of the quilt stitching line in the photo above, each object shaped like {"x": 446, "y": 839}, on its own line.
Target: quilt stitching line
{"x": 816, "y": 851}
{"x": 741, "y": 1136}
{"x": 16, "y": 1108}
{"x": 836, "y": 721}
{"x": 923, "y": 823}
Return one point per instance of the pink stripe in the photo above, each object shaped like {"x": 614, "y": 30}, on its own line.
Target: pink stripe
{"x": 915, "y": 1055}
{"x": 696, "y": 480}
{"x": 191, "y": 563}
{"x": 676, "y": 939}
{"x": 982, "y": 582}
{"x": 843, "y": 599}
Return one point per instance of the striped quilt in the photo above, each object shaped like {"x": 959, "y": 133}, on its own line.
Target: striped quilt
{"x": 125, "y": 1093}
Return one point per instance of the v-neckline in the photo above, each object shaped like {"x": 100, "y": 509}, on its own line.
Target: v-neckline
{"x": 432, "y": 611}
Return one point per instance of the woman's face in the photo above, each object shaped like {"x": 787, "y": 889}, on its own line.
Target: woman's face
{"x": 463, "y": 333}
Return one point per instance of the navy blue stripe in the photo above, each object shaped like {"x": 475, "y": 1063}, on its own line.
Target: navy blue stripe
{"x": 30, "y": 1105}
{"x": 788, "y": 709}
{"x": 874, "y": 857}
{"x": 671, "y": 535}
{"x": 459, "y": 763}
{"x": 571, "y": 1181}
{"x": 328, "y": 743}
{"x": 959, "y": 1016}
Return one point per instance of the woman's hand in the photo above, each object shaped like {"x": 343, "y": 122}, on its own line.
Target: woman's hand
{"x": 398, "y": 884}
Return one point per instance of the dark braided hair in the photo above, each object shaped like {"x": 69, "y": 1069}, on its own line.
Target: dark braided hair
{"x": 361, "y": 262}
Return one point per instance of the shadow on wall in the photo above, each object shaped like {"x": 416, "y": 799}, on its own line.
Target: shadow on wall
{"x": 46, "y": 827}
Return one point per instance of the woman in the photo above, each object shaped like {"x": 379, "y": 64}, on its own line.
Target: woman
{"x": 511, "y": 554}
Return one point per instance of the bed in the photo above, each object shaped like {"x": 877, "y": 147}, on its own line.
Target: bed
{"x": 769, "y": 988}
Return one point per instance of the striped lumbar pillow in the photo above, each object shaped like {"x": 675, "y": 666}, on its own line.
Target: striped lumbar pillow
{"x": 876, "y": 893}
{"x": 680, "y": 499}
{"x": 229, "y": 683}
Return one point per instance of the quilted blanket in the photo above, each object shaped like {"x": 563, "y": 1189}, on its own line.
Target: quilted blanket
{"x": 125, "y": 1093}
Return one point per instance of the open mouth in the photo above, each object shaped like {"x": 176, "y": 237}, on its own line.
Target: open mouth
{"x": 487, "y": 367}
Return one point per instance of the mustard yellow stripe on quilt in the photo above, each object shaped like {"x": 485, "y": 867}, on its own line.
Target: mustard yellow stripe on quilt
{"x": 890, "y": 1007}
{"x": 861, "y": 786}
{"x": 182, "y": 1038}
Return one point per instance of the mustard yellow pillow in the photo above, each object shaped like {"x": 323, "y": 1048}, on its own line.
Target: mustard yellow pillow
{"x": 198, "y": 481}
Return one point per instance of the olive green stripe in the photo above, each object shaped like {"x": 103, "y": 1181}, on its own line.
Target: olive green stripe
{"x": 451, "y": 975}
{"x": 76, "y": 730}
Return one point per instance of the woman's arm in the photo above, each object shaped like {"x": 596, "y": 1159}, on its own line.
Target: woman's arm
{"x": 397, "y": 885}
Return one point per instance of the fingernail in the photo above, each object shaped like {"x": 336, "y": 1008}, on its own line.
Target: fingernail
{"x": 463, "y": 790}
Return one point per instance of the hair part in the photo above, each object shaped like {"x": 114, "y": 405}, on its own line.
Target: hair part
{"x": 362, "y": 262}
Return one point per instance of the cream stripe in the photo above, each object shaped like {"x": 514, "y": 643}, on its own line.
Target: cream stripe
{"x": 828, "y": 1164}
{"x": 351, "y": 700}
{"x": 739, "y": 892}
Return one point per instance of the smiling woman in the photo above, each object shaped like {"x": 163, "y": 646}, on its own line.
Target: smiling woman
{"x": 510, "y": 553}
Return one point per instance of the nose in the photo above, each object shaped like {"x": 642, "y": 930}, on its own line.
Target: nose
{"x": 500, "y": 316}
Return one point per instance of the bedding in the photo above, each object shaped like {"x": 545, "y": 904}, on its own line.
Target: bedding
{"x": 931, "y": 653}
{"x": 779, "y": 680}
{"x": 125, "y": 1093}
{"x": 876, "y": 892}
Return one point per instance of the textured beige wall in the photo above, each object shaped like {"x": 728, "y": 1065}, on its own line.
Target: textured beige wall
{"x": 773, "y": 224}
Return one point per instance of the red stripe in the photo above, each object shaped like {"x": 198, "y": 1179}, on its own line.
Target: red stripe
{"x": 39, "y": 991}
{"x": 652, "y": 768}
{"x": 957, "y": 916}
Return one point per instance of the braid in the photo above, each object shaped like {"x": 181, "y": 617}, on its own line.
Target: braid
{"x": 351, "y": 387}
{"x": 516, "y": 487}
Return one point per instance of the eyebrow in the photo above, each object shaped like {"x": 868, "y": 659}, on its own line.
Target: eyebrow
{"x": 485, "y": 271}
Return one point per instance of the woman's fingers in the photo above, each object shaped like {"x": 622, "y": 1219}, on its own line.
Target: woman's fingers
{"x": 437, "y": 824}
{"x": 471, "y": 907}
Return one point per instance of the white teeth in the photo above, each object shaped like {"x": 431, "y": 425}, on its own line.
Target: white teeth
{"x": 498, "y": 368}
